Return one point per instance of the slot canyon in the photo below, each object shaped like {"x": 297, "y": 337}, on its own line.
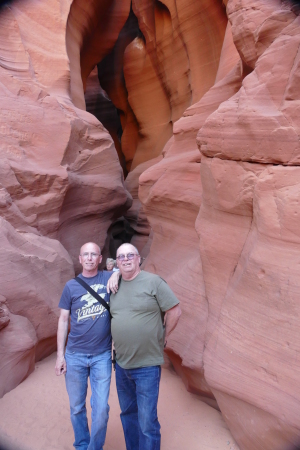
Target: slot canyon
{"x": 174, "y": 125}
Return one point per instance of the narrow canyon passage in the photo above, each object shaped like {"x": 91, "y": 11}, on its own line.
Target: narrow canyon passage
{"x": 175, "y": 125}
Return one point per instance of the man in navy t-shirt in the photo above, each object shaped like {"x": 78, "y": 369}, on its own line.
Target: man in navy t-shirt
{"x": 88, "y": 350}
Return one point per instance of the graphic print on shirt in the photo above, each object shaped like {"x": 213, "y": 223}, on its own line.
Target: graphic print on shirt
{"x": 92, "y": 308}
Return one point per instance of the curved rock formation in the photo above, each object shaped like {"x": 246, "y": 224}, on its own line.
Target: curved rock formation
{"x": 157, "y": 69}
{"x": 60, "y": 179}
{"x": 220, "y": 225}
{"x": 250, "y": 203}
{"x": 33, "y": 270}
{"x": 171, "y": 193}
{"x": 246, "y": 338}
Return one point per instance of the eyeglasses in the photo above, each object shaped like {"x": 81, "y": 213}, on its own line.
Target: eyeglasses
{"x": 93, "y": 255}
{"x": 128, "y": 256}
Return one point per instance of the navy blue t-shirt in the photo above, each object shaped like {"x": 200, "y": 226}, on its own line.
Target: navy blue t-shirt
{"x": 90, "y": 321}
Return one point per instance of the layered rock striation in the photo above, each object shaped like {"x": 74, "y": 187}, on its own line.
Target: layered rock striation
{"x": 252, "y": 336}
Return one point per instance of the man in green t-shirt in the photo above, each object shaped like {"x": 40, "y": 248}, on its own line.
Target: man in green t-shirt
{"x": 144, "y": 312}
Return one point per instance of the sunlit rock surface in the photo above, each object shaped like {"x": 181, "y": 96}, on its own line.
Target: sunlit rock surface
{"x": 163, "y": 61}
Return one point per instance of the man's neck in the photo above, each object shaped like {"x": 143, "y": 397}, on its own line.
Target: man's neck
{"x": 130, "y": 278}
{"x": 88, "y": 274}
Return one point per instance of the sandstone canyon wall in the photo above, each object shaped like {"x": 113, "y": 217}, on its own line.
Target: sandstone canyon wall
{"x": 60, "y": 181}
{"x": 202, "y": 108}
{"x": 240, "y": 292}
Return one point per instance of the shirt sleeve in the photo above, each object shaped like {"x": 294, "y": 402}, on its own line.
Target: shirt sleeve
{"x": 65, "y": 299}
{"x": 165, "y": 296}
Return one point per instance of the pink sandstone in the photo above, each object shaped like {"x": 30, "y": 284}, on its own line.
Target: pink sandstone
{"x": 220, "y": 224}
{"x": 59, "y": 175}
{"x": 248, "y": 228}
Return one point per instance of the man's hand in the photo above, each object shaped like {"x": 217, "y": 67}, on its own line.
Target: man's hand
{"x": 113, "y": 282}
{"x": 60, "y": 366}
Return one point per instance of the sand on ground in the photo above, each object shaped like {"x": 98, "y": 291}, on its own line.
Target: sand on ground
{"x": 35, "y": 416}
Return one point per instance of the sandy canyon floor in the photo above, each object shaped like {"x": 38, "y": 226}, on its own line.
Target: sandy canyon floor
{"x": 35, "y": 416}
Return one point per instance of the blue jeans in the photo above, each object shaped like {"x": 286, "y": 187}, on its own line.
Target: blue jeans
{"x": 138, "y": 395}
{"x": 79, "y": 368}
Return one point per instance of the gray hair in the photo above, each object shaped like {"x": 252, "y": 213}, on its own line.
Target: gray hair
{"x": 110, "y": 260}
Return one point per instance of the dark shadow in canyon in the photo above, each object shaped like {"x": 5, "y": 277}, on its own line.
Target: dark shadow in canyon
{"x": 114, "y": 116}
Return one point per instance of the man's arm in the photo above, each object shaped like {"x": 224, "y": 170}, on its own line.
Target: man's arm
{"x": 171, "y": 320}
{"x": 62, "y": 332}
{"x": 113, "y": 282}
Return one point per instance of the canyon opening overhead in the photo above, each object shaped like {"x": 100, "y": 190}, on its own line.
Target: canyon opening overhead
{"x": 175, "y": 125}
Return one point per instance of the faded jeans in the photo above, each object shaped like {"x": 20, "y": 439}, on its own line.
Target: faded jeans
{"x": 138, "y": 395}
{"x": 79, "y": 368}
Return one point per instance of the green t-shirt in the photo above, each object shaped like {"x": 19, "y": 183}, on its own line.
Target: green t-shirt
{"x": 137, "y": 320}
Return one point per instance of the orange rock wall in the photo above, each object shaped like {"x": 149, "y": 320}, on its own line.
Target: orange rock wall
{"x": 152, "y": 76}
{"x": 155, "y": 70}
{"x": 60, "y": 182}
{"x": 240, "y": 300}
{"x": 252, "y": 337}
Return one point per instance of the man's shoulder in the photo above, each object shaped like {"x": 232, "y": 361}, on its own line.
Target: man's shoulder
{"x": 148, "y": 276}
{"x": 71, "y": 287}
{"x": 70, "y": 282}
